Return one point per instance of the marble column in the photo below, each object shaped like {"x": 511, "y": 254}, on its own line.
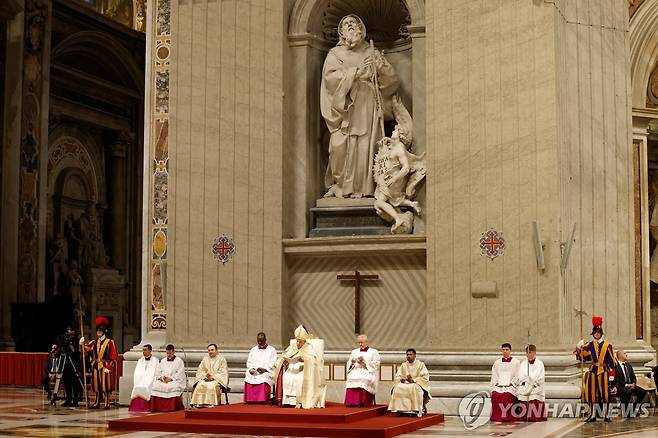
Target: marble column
{"x": 530, "y": 130}
{"x": 417, "y": 33}
{"x": 117, "y": 193}
{"x": 304, "y": 183}
{"x": 32, "y": 185}
{"x": 528, "y": 121}
{"x": 12, "y": 12}
{"x": 641, "y": 130}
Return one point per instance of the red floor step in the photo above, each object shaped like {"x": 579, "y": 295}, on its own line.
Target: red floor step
{"x": 333, "y": 413}
{"x": 241, "y": 419}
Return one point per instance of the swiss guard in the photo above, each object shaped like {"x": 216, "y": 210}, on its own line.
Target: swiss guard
{"x": 597, "y": 382}
{"x": 103, "y": 359}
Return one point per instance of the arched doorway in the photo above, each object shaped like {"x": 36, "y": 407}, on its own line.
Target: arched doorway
{"x": 96, "y": 164}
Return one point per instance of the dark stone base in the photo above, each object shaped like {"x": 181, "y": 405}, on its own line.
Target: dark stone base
{"x": 359, "y": 220}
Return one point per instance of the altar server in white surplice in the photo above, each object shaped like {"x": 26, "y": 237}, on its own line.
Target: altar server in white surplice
{"x": 299, "y": 380}
{"x": 145, "y": 372}
{"x": 503, "y": 389}
{"x": 412, "y": 387}
{"x": 259, "y": 377}
{"x": 530, "y": 387}
{"x": 169, "y": 384}
{"x": 211, "y": 377}
{"x": 362, "y": 375}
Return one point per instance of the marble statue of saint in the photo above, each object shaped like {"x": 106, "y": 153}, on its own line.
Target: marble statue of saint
{"x": 356, "y": 83}
{"x": 397, "y": 174}
{"x": 100, "y": 259}
{"x": 57, "y": 260}
{"x": 83, "y": 230}
{"x": 71, "y": 235}
{"x": 75, "y": 290}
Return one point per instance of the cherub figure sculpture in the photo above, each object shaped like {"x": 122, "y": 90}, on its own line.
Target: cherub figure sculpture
{"x": 397, "y": 173}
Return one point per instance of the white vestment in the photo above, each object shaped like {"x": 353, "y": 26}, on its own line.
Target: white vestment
{"x": 530, "y": 381}
{"x": 363, "y": 376}
{"x": 145, "y": 373}
{"x": 261, "y": 358}
{"x": 293, "y": 381}
{"x": 175, "y": 370}
{"x": 302, "y": 382}
{"x": 411, "y": 397}
{"x": 503, "y": 375}
{"x": 206, "y": 392}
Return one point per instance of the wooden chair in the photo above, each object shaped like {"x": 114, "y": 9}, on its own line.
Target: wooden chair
{"x": 225, "y": 391}
{"x": 222, "y": 390}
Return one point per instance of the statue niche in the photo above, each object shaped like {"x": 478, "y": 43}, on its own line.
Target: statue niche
{"x": 369, "y": 174}
{"x": 74, "y": 246}
{"x": 76, "y": 255}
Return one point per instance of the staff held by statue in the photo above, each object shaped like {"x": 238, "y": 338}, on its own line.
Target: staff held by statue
{"x": 378, "y": 94}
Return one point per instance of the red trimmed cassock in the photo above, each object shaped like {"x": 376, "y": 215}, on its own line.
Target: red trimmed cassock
{"x": 258, "y": 386}
{"x": 503, "y": 392}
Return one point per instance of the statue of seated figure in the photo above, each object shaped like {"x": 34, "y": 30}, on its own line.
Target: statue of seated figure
{"x": 299, "y": 380}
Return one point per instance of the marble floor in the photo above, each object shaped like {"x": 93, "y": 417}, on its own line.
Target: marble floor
{"x": 24, "y": 412}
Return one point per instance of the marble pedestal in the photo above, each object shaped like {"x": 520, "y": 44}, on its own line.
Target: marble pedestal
{"x": 105, "y": 291}
{"x": 346, "y": 217}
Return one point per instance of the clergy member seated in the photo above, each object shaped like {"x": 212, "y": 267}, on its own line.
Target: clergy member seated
{"x": 259, "y": 377}
{"x": 362, "y": 375}
{"x": 169, "y": 384}
{"x": 211, "y": 378}
{"x": 145, "y": 372}
{"x": 412, "y": 387}
{"x": 503, "y": 392}
{"x": 298, "y": 373}
{"x": 530, "y": 387}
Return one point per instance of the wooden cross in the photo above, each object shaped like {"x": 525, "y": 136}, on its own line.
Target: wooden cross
{"x": 357, "y": 277}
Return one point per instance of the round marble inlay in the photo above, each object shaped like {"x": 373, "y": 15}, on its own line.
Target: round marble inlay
{"x": 162, "y": 53}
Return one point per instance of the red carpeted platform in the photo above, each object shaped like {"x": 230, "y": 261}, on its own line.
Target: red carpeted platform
{"x": 333, "y": 421}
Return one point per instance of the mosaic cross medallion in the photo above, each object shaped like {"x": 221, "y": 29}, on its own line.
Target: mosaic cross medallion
{"x": 492, "y": 244}
{"x": 223, "y": 248}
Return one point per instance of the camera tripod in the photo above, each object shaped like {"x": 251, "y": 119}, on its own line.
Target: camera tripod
{"x": 62, "y": 362}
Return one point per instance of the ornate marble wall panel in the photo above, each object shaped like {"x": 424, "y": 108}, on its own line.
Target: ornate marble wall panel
{"x": 392, "y": 308}
{"x": 160, "y": 56}
{"x": 224, "y": 169}
{"x": 499, "y": 122}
